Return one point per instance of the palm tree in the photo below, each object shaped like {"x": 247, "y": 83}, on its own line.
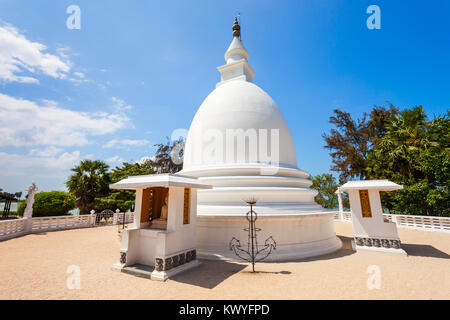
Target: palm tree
{"x": 407, "y": 136}
{"x": 90, "y": 179}
{"x": 414, "y": 152}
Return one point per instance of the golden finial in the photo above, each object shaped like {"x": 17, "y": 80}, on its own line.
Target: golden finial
{"x": 236, "y": 28}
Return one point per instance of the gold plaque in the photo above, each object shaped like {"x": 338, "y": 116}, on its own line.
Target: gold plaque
{"x": 365, "y": 203}
{"x": 147, "y": 199}
{"x": 187, "y": 205}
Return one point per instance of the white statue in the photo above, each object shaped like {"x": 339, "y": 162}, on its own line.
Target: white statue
{"x": 28, "y": 213}
{"x": 164, "y": 209}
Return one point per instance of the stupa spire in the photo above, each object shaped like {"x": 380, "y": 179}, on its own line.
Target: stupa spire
{"x": 236, "y": 28}
{"x": 236, "y": 57}
{"x": 236, "y": 51}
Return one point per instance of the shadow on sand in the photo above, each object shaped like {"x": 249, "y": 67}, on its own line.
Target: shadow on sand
{"x": 209, "y": 274}
{"x": 267, "y": 272}
{"x": 424, "y": 250}
{"x": 416, "y": 250}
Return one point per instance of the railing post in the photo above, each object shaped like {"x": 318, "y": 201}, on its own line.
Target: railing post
{"x": 116, "y": 216}
{"x": 93, "y": 215}
{"x": 394, "y": 218}
{"x": 28, "y": 213}
{"x": 341, "y": 207}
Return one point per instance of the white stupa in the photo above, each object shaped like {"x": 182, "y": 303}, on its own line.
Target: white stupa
{"x": 240, "y": 143}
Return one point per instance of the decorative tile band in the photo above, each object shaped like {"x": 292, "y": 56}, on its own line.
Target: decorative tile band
{"x": 378, "y": 243}
{"x": 123, "y": 257}
{"x": 165, "y": 264}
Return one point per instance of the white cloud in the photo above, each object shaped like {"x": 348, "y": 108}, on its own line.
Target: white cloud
{"x": 125, "y": 143}
{"x": 120, "y": 105}
{"x": 145, "y": 159}
{"x": 38, "y": 163}
{"x": 78, "y": 78}
{"x": 51, "y": 151}
{"x": 18, "y": 55}
{"x": 79, "y": 74}
{"x": 25, "y": 123}
{"x": 115, "y": 159}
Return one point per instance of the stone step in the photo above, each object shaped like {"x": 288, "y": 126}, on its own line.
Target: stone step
{"x": 139, "y": 270}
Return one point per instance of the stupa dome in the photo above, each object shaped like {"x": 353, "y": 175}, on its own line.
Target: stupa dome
{"x": 237, "y": 105}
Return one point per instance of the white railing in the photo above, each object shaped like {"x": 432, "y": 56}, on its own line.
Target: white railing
{"x": 129, "y": 217}
{"x": 440, "y": 224}
{"x": 12, "y": 228}
{"x": 18, "y": 227}
{"x": 116, "y": 218}
{"x": 421, "y": 222}
{"x": 61, "y": 223}
{"x": 346, "y": 216}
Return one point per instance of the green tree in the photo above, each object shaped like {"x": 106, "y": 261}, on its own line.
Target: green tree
{"x": 352, "y": 140}
{"x": 90, "y": 179}
{"x": 168, "y": 157}
{"x": 121, "y": 199}
{"x": 131, "y": 169}
{"x": 327, "y": 186}
{"x": 90, "y": 183}
{"x": 415, "y": 152}
{"x": 54, "y": 203}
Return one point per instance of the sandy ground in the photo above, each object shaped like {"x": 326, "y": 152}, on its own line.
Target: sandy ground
{"x": 35, "y": 267}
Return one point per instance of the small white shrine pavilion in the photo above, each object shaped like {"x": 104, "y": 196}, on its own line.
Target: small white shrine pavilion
{"x": 162, "y": 241}
{"x": 372, "y": 231}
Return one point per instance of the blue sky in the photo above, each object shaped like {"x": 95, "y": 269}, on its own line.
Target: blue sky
{"x": 137, "y": 70}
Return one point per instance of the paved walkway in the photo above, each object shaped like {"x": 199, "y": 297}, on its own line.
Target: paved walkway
{"x": 35, "y": 267}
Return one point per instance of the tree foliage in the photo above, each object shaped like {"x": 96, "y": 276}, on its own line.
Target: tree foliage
{"x": 54, "y": 203}
{"x": 404, "y": 147}
{"x": 327, "y": 186}
{"x": 352, "y": 140}
{"x": 17, "y": 195}
{"x": 122, "y": 199}
{"x": 168, "y": 157}
{"x": 415, "y": 152}
{"x": 90, "y": 179}
{"x": 131, "y": 169}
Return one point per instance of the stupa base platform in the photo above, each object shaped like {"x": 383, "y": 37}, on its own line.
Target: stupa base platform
{"x": 297, "y": 236}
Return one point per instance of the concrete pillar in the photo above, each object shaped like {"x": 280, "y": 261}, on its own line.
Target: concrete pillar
{"x": 116, "y": 216}
{"x": 138, "y": 208}
{"x": 93, "y": 215}
{"x": 394, "y": 218}
{"x": 28, "y": 213}
{"x": 341, "y": 206}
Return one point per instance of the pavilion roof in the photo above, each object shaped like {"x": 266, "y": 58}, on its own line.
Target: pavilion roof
{"x": 159, "y": 180}
{"x": 382, "y": 185}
